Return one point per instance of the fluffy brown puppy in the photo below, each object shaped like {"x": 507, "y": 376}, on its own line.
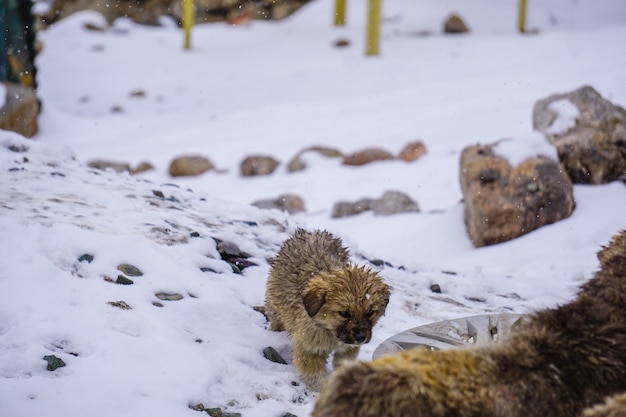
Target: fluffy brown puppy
{"x": 562, "y": 361}
{"x": 325, "y": 303}
{"x": 612, "y": 407}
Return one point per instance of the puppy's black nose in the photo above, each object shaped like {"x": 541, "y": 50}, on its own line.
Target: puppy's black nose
{"x": 360, "y": 336}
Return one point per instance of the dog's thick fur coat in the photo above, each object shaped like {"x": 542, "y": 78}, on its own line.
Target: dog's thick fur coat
{"x": 325, "y": 303}
{"x": 564, "y": 360}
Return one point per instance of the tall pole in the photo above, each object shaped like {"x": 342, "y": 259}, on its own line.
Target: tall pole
{"x": 340, "y": 12}
{"x": 521, "y": 22}
{"x": 188, "y": 13}
{"x": 373, "y": 27}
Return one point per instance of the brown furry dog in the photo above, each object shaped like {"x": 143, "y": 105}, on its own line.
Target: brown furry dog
{"x": 562, "y": 361}
{"x": 324, "y": 302}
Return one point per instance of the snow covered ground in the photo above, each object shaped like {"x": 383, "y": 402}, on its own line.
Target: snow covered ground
{"x": 274, "y": 89}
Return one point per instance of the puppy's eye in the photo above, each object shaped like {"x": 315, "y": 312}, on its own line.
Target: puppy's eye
{"x": 370, "y": 313}
{"x": 344, "y": 314}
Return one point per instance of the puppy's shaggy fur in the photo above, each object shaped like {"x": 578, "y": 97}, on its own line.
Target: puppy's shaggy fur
{"x": 612, "y": 407}
{"x": 562, "y": 361}
{"x": 324, "y": 302}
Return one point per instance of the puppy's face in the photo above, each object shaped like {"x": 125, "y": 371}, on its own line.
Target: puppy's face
{"x": 347, "y": 302}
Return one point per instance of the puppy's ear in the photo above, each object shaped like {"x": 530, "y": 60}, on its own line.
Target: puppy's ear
{"x": 313, "y": 298}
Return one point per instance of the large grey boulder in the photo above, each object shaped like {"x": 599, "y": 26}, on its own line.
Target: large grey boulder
{"x": 589, "y": 133}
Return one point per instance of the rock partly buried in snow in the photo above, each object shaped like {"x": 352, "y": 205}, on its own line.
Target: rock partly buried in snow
{"x": 503, "y": 202}
{"x": 258, "y": 165}
{"x": 391, "y": 202}
{"x": 394, "y": 202}
{"x": 455, "y": 24}
{"x": 367, "y": 156}
{"x": 589, "y": 133}
{"x": 298, "y": 163}
{"x": 412, "y": 151}
{"x": 290, "y": 203}
{"x": 190, "y": 165}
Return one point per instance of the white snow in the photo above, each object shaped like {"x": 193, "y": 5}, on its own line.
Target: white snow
{"x": 517, "y": 150}
{"x": 566, "y": 115}
{"x": 275, "y": 89}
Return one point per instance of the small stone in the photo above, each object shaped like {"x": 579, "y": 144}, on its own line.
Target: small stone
{"x": 157, "y": 304}
{"x": 258, "y": 165}
{"x": 367, "y": 156}
{"x": 130, "y": 270}
{"x": 194, "y": 234}
{"x": 142, "y": 167}
{"x": 158, "y": 193}
{"x": 104, "y": 165}
{"x": 228, "y": 249}
{"x": 164, "y": 296}
{"x": 342, "y": 43}
{"x": 241, "y": 263}
{"x": 412, "y": 151}
{"x": 271, "y": 354}
{"x": 137, "y": 93}
{"x": 346, "y": 208}
{"x": 86, "y": 258}
{"x": 197, "y": 407}
{"x": 435, "y": 288}
{"x": 120, "y": 304}
{"x": 454, "y": 24}
{"x": 207, "y": 269}
{"x": 214, "y": 412}
{"x": 394, "y": 202}
{"x": 121, "y": 279}
{"x": 191, "y": 165}
{"x": 289, "y": 415}
{"x": 53, "y": 362}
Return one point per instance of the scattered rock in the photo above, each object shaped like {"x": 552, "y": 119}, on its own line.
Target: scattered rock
{"x": 271, "y": 354}
{"x": 290, "y": 203}
{"x": 164, "y": 296}
{"x": 391, "y": 202}
{"x": 502, "y": 202}
{"x": 137, "y": 93}
{"x": 297, "y": 164}
{"x": 346, "y": 208}
{"x": 103, "y": 165}
{"x": 117, "y": 109}
{"x": 435, "y": 288}
{"x": 190, "y": 165}
{"x": 455, "y": 24}
{"x": 367, "y": 156}
{"x": 233, "y": 256}
{"x": 394, "y": 202}
{"x": 54, "y": 363}
{"x": 412, "y": 151}
{"x": 142, "y": 167}
{"x": 589, "y": 133}
{"x": 130, "y": 270}
{"x": 20, "y": 110}
{"x": 122, "y": 280}
{"x": 342, "y": 43}
{"x": 258, "y": 165}
{"x": 85, "y": 258}
{"x": 120, "y": 304}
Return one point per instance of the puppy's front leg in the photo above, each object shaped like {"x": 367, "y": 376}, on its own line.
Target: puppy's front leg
{"x": 312, "y": 366}
{"x": 347, "y": 355}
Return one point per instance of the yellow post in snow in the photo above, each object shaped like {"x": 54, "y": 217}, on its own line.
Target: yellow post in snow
{"x": 373, "y": 27}
{"x": 521, "y": 22}
{"x": 188, "y": 13}
{"x": 340, "y": 12}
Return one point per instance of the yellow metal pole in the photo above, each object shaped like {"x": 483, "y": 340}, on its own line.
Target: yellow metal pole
{"x": 521, "y": 23}
{"x": 340, "y": 12}
{"x": 373, "y": 27}
{"x": 188, "y": 13}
